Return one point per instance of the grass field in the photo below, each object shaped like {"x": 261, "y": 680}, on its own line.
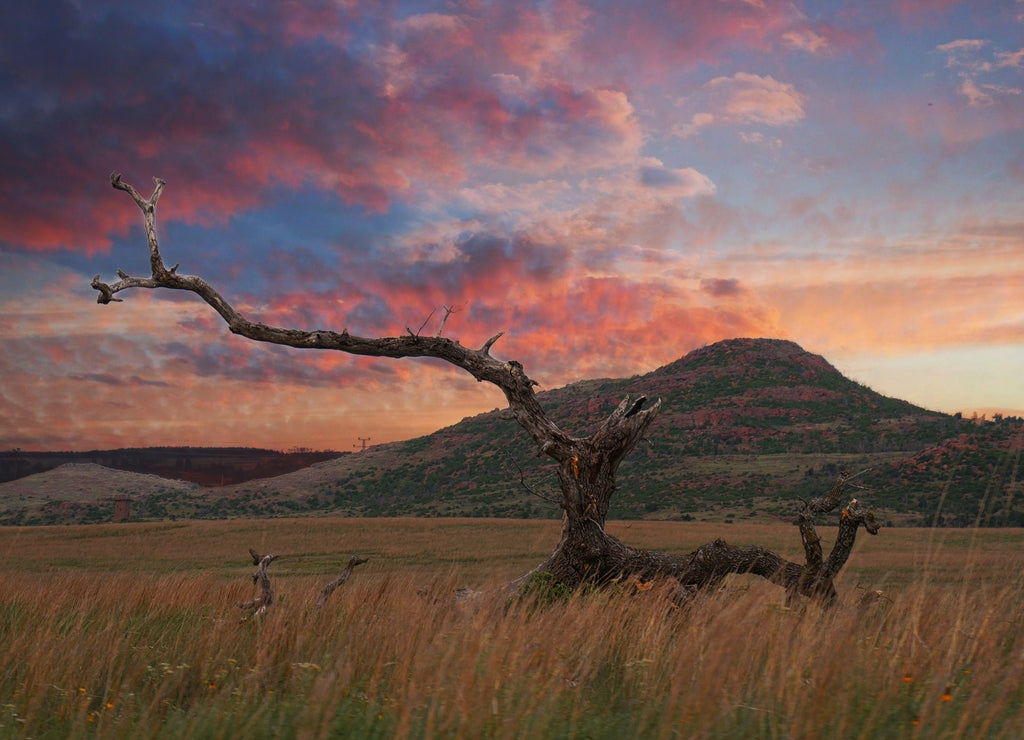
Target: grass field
{"x": 132, "y": 630}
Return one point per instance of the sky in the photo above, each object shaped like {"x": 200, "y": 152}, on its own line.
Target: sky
{"x": 612, "y": 184}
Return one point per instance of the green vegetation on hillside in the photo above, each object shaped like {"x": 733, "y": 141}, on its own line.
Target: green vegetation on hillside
{"x": 747, "y": 427}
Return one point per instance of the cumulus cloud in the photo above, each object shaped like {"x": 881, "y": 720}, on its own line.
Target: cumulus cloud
{"x": 554, "y": 126}
{"x": 753, "y": 99}
{"x": 685, "y": 182}
{"x": 744, "y": 98}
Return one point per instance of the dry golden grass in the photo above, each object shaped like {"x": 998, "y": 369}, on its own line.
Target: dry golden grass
{"x": 132, "y": 631}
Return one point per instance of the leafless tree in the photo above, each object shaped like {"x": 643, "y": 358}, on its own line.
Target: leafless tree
{"x": 261, "y": 603}
{"x": 586, "y": 466}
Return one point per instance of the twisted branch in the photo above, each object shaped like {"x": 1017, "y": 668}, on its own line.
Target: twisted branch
{"x": 262, "y": 602}
{"x": 333, "y": 585}
{"x": 508, "y": 376}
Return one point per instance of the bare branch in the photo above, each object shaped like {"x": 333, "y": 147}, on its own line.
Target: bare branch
{"x": 490, "y": 342}
{"x": 852, "y": 517}
{"x": 330, "y": 587}
{"x": 432, "y": 312}
{"x": 527, "y": 486}
{"x": 448, "y": 311}
{"x": 266, "y": 597}
{"x": 148, "y": 208}
{"x": 805, "y": 519}
{"x": 508, "y": 376}
{"x": 106, "y": 294}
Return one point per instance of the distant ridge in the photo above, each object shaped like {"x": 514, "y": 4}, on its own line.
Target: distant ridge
{"x": 208, "y": 466}
{"x": 83, "y": 492}
{"x": 77, "y": 482}
{"x": 746, "y": 427}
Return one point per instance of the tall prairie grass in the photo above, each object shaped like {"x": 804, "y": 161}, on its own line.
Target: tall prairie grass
{"x": 135, "y": 649}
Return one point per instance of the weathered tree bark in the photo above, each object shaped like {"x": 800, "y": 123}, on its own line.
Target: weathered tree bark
{"x": 330, "y": 587}
{"x": 261, "y": 603}
{"x": 585, "y": 553}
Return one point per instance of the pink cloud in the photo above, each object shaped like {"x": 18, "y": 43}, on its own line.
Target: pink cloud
{"x": 744, "y": 99}
{"x": 981, "y": 70}
{"x": 654, "y": 40}
{"x": 231, "y": 391}
{"x": 373, "y": 125}
{"x": 805, "y": 39}
{"x": 538, "y": 42}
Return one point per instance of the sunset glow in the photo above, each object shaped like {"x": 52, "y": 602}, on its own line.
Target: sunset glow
{"x": 612, "y": 184}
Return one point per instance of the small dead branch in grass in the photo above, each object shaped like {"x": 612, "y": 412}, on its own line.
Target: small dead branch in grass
{"x": 330, "y": 587}
{"x": 260, "y": 604}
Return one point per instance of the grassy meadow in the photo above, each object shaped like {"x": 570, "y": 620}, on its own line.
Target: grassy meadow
{"x": 132, "y": 630}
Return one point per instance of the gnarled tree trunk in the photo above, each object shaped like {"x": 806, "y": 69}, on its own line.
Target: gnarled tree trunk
{"x": 585, "y": 553}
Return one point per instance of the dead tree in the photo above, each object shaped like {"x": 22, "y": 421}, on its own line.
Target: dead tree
{"x": 586, "y": 466}
{"x": 330, "y": 587}
{"x": 261, "y": 603}
{"x": 710, "y": 563}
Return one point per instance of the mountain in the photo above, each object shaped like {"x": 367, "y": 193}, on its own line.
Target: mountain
{"x": 747, "y": 426}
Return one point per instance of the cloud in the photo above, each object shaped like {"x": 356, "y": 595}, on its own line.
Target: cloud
{"x": 563, "y": 324}
{"x": 357, "y": 164}
{"x": 722, "y": 287}
{"x": 744, "y": 99}
{"x": 553, "y": 126}
{"x": 1013, "y": 59}
{"x": 539, "y": 40}
{"x": 962, "y": 51}
{"x": 649, "y": 41}
{"x": 440, "y": 24}
{"x": 804, "y": 39}
{"x": 685, "y": 182}
{"x": 974, "y": 94}
{"x": 754, "y": 99}
{"x": 758, "y": 138}
{"x": 235, "y": 109}
{"x": 982, "y": 78}
{"x": 603, "y": 218}
{"x": 119, "y": 381}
